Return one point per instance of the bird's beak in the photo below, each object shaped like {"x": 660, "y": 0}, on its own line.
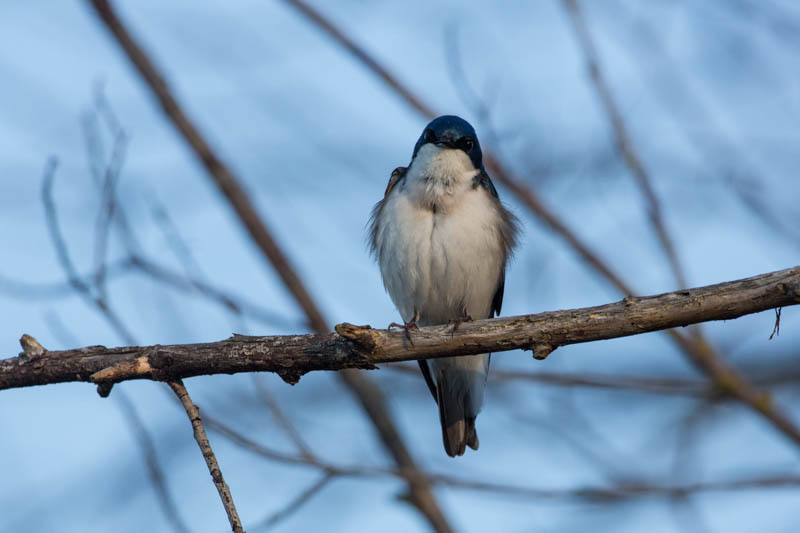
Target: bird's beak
{"x": 446, "y": 140}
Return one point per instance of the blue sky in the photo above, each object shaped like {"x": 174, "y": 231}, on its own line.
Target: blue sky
{"x": 710, "y": 93}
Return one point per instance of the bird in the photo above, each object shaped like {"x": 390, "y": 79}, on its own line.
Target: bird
{"x": 442, "y": 240}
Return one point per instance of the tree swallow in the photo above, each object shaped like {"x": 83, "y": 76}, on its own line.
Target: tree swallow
{"x": 442, "y": 240}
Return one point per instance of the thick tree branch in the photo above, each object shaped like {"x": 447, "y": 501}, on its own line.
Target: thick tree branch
{"x": 291, "y": 356}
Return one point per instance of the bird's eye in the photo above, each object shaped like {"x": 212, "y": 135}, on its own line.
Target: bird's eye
{"x": 429, "y": 136}
{"x": 466, "y": 144}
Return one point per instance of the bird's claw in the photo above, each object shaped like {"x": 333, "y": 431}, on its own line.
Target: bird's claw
{"x": 457, "y": 322}
{"x": 408, "y": 326}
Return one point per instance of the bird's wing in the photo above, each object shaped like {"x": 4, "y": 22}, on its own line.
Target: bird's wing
{"x": 483, "y": 179}
{"x": 374, "y": 228}
{"x": 397, "y": 174}
{"x": 509, "y": 231}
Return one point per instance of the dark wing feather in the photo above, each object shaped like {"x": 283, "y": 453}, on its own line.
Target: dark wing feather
{"x": 426, "y": 373}
{"x": 397, "y": 175}
{"x": 483, "y": 179}
{"x": 509, "y": 230}
{"x": 497, "y": 301}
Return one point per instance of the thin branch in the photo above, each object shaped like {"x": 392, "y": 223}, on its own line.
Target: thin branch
{"x": 291, "y": 356}
{"x": 142, "y": 436}
{"x": 50, "y": 290}
{"x": 222, "y": 176}
{"x": 62, "y": 252}
{"x": 645, "y": 384}
{"x": 727, "y": 156}
{"x": 623, "y": 140}
{"x": 697, "y": 348}
{"x": 208, "y": 454}
{"x": 236, "y": 304}
{"x": 669, "y": 386}
{"x": 625, "y": 491}
{"x": 233, "y": 303}
{"x": 368, "y": 394}
{"x": 361, "y": 55}
{"x": 95, "y": 295}
{"x": 101, "y": 304}
{"x": 175, "y": 242}
{"x": 621, "y": 491}
{"x": 623, "y": 382}
{"x": 295, "y": 503}
{"x": 108, "y": 206}
{"x": 776, "y": 330}
{"x": 268, "y": 399}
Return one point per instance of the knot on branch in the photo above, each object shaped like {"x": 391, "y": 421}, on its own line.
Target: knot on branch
{"x": 31, "y": 349}
{"x": 630, "y": 300}
{"x": 541, "y": 350}
{"x": 363, "y": 336}
{"x": 291, "y": 375}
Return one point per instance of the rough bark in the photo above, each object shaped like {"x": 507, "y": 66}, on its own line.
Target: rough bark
{"x": 291, "y": 356}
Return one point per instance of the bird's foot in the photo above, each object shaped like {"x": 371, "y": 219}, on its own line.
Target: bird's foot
{"x": 457, "y": 322}
{"x": 408, "y": 326}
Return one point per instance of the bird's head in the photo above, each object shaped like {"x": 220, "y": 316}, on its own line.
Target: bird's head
{"x": 452, "y": 132}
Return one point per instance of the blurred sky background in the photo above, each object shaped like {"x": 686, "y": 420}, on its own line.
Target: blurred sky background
{"x": 710, "y": 92}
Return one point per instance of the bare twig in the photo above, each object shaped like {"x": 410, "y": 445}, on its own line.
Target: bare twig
{"x": 372, "y": 64}
{"x": 668, "y": 386}
{"x": 623, "y": 382}
{"x": 142, "y": 436}
{"x": 725, "y": 155}
{"x": 776, "y": 330}
{"x": 295, "y": 503}
{"x": 619, "y": 492}
{"x": 98, "y": 299}
{"x": 366, "y": 392}
{"x": 234, "y": 303}
{"x": 697, "y": 348}
{"x": 108, "y": 185}
{"x": 80, "y": 286}
{"x": 26, "y": 290}
{"x": 33, "y": 350}
{"x": 208, "y": 454}
{"x": 175, "y": 241}
{"x": 623, "y": 140}
{"x": 222, "y": 176}
{"x": 274, "y": 407}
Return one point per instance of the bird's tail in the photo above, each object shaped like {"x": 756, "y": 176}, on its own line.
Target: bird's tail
{"x": 456, "y": 416}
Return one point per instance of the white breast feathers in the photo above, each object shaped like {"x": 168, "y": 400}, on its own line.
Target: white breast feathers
{"x": 438, "y": 240}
